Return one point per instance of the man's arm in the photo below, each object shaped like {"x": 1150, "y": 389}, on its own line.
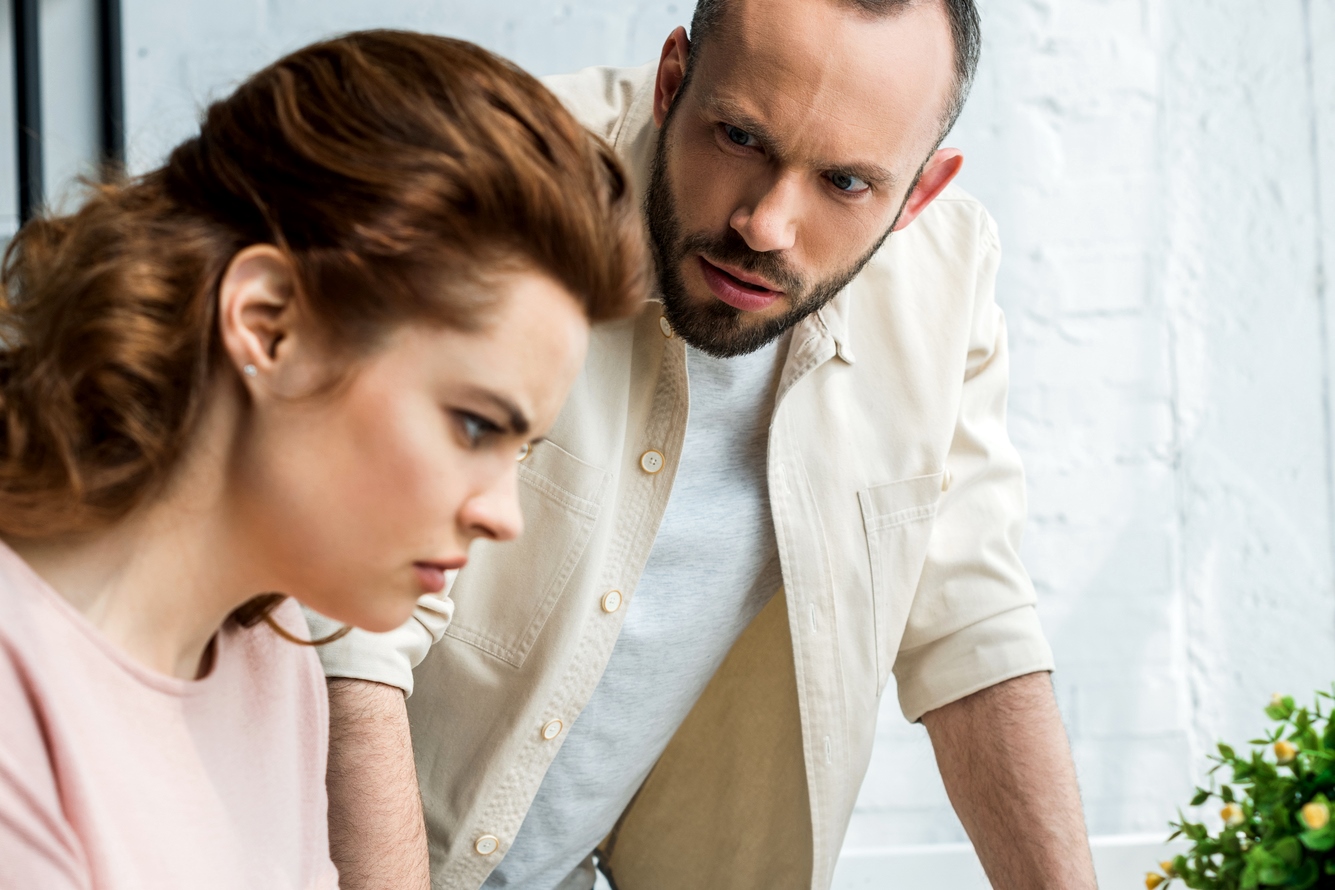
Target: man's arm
{"x": 1007, "y": 767}
{"x": 376, "y": 832}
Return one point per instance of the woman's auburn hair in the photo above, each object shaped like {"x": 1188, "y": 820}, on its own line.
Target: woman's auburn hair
{"x": 398, "y": 172}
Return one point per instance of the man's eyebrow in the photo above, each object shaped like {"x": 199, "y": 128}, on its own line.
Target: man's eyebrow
{"x": 734, "y": 115}
{"x": 872, "y": 174}
{"x": 518, "y": 423}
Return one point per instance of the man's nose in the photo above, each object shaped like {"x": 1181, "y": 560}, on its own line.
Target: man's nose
{"x": 769, "y": 223}
{"x": 494, "y": 511}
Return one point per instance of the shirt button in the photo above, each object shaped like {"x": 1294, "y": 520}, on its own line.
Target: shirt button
{"x": 651, "y": 461}
{"x": 523, "y": 451}
{"x": 552, "y": 730}
{"x": 946, "y": 479}
{"x": 611, "y": 601}
{"x": 487, "y": 844}
{"x": 664, "y": 326}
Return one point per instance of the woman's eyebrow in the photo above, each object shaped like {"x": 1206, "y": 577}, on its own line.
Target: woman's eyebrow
{"x": 518, "y": 423}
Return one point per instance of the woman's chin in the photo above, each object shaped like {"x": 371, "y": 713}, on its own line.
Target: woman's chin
{"x": 381, "y": 620}
{"x": 387, "y": 611}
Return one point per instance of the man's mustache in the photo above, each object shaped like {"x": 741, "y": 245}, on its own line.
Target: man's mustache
{"x": 732, "y": 250}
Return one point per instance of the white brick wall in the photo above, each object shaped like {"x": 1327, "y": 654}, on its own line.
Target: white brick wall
{"x": 1157, "y": 169}
{"x": 1163, "y": 172}
{"x": 1153, "y": 170}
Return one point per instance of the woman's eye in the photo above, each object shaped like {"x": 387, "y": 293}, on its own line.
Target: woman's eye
{"x": 475, "y": 429}
{"x": 847, "y": 182}
{"x": 739, "y": 136}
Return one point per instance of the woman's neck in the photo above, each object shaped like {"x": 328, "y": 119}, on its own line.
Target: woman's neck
{"x": 160, "y": 582}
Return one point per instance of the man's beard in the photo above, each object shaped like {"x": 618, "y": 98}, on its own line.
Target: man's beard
{"x": 714, "y": 326}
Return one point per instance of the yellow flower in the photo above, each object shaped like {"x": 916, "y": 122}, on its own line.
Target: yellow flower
{"x": 1316, "y": 814}
{"x": 1152, "y": 880}
{"x": 1232, "y": 815}
{"x": 1167, "y": 866}
{"x": 1285, "y": 752}
{"x": 1276, "y": 700}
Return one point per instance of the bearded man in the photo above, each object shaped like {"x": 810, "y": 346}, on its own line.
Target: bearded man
{"x": 785, "y": 481}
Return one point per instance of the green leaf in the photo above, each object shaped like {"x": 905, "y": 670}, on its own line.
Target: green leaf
{"x": 1304, "y": 876}
{"x": 1288, "y": 850}
{"x": 1320, "y": 841}
{"x": 1226, "y": 752}
{"x": 1201, "y": 797}
{"x": 1275, "y": 874}
{"x": 1280, "y": 711}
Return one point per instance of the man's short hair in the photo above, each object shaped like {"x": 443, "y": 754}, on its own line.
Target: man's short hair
{"x": 964, "y": 31}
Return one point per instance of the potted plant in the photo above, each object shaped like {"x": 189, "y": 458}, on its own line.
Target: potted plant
{"x": 1276, "y": 810}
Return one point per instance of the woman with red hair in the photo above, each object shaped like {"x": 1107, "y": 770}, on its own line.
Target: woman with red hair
{"x": 298, "y": 360}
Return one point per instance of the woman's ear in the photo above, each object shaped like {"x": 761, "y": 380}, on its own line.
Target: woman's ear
{"x": 256, "y": 313}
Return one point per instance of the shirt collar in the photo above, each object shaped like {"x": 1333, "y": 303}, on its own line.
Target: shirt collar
{"x": 835, "y": 316}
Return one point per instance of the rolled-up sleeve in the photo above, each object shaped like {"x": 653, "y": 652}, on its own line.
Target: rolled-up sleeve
{"x": 387, "y": 658}
{"x": 973, "y": 622}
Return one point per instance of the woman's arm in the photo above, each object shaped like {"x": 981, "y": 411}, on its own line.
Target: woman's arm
{"x": 376, "y": 832}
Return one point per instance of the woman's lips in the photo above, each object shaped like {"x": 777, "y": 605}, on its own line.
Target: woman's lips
{"x": 431, "y": 575}
{"x": 740, "y": 293}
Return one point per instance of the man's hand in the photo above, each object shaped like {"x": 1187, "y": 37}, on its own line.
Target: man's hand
{"x": 1007, "y": 767}
{"x": 376, "y": 832}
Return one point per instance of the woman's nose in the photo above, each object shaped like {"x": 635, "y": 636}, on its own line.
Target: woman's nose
{"x": 494, "y": 512}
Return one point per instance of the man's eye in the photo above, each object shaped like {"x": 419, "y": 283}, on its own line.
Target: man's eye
{"x": 739, "y": 136}
{"x": 847, "y": 182}
{"x": 475, "y": 429}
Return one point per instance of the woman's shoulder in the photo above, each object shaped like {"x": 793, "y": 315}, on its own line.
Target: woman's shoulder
{"x": 288, "y": 641}
{"x": 37, "y": 839}
{"x": 30, "y": 612}
{"x": 284, "y": 669}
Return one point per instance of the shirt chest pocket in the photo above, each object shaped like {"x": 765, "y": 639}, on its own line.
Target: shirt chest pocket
{"x": 898, "y": 519}
{"x": 506, "y": 593}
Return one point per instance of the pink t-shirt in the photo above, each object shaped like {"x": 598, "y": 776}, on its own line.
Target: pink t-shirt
{"x": 115, "y": 777}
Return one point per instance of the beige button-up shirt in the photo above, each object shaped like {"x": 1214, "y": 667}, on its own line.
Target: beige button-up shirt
{"x": 898, "y": 503}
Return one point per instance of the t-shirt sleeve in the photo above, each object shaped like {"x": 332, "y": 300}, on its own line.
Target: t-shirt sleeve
{"x": 387, "y": 658}
{"x": 38, "y": 847}
{"x": 973, "y": 623}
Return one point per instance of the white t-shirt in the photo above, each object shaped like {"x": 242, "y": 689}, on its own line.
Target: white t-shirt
{"x": 713, "y": 567}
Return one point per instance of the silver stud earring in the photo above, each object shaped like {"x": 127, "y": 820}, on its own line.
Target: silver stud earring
{"x": 250, "y": 370}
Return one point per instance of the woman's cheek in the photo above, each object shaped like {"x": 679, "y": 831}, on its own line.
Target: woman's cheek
{"x": 395, "y": 445}
{"x": 425, "y": 482}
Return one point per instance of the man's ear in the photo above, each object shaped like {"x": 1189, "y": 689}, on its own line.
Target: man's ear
{"x": 941, "y": 168}
{"x": 256, "y": 310}
{"x": 671, "y": 73}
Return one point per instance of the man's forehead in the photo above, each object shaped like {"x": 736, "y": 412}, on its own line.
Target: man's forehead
{"x": 824, "y": 72}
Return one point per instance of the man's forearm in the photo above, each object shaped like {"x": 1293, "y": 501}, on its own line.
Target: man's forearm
{"x": 376, "y": 832}
{"x": 1007, "y": 767}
